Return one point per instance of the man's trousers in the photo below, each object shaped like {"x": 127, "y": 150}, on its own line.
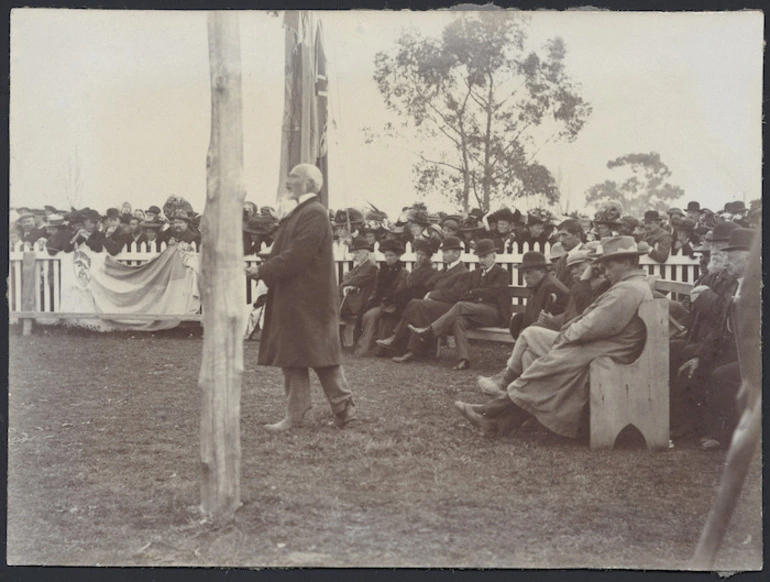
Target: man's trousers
{"x": 460, "y": 317}
{"x": 296, "y": 383}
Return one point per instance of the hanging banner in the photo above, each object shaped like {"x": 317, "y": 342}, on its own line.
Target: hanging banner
{"x": 93, "y": 282}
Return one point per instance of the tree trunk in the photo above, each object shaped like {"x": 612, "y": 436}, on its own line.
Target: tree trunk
{"x": 222, "y": 278}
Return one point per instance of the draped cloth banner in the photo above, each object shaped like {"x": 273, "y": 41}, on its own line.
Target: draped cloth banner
{"x": 96, "y": 283}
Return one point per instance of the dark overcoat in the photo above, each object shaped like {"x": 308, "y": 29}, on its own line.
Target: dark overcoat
{"x": 302, "y": 311}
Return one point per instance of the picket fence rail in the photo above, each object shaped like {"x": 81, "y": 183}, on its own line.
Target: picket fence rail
{"x": 45, "y": 271}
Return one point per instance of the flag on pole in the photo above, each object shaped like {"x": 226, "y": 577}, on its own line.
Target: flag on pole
{"x": 304, "y": 114}
{"x": 322, "y": 116}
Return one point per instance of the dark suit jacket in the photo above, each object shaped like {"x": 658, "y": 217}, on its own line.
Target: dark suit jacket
{"x": 540, "y": 297}
{"x": 363, "y": 277}
{"x": 491, "y": 288}
{"x": 452, "y": 285}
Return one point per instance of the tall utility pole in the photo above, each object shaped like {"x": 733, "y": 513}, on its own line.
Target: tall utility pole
{"x": 223, "y": 291}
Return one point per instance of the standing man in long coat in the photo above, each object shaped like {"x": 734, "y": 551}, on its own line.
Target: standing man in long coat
{"x": 301, "y": 328}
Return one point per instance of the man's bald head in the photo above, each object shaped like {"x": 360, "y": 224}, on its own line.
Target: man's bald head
{"x": 306, "y": 177}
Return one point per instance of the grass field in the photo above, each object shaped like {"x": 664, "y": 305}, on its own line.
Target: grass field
{"x": 103, "y": 469}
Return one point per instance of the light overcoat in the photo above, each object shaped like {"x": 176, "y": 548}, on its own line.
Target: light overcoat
{"x": 554, "y": 384}
{"x": 302, "y": 310}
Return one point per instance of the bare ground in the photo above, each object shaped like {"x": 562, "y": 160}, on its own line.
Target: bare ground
{"x": 103, "y": 469}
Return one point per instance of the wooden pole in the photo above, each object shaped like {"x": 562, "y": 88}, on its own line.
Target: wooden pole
{"x": 222, "y": 272}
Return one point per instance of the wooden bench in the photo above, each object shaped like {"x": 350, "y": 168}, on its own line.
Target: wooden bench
{"x": 634, "y": 394}
{"x": 501, "y": 334}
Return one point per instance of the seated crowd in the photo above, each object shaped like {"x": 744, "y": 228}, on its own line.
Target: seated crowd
{"x": 582, "y": 302}
{"x": 582, "y": 299}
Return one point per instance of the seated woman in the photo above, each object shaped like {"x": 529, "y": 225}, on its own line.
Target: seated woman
{"x": 389, "y": 280}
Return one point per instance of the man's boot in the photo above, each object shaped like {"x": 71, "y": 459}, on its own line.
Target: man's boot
{"x": 496, "y": 385}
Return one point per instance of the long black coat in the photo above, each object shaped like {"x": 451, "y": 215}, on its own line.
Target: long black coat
{"x": 302, "y": 310}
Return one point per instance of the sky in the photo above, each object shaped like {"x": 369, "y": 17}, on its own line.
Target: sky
{"x": 121, "y": 99}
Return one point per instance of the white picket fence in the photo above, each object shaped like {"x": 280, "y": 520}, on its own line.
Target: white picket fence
{"x": 48, "y": 270}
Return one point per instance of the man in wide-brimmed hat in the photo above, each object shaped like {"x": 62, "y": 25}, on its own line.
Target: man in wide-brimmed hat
{"x": 547, "y": 373}
{"x": 485, "y": 304}
{"x": 181, "y": 231}
{"x": 391, "y": 278}
{"x": 301, "y": 329}
{"x": 451, "y": 287}
{"x": 358, "y": 283}
{"x": 546, "y": 292}
{"x": 656, "y": 236}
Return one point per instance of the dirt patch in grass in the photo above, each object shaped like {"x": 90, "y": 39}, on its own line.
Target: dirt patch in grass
{"x": 104, "y": 452}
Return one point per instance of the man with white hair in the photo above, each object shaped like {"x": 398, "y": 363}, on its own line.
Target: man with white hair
{"x": 301, "y": 328}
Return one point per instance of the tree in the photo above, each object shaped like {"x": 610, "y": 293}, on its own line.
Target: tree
{"x": 644, "y": 189}
{"x": 481, "y": 105}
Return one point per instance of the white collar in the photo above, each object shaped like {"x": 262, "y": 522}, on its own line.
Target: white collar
{"x": 452, "y": 265}
{"x": 305, "y": 197}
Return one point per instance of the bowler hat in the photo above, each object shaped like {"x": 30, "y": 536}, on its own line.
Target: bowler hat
{"x": 674, "y": 211}
{"x": 740, "y": 239}
{"x": 452, "y": 243}
{"x": 617, "y": 246}
{"x": 392, "y": 245}
{"x": 361, "y": 244}
{"x": 484, "y": 247}
{"x": 735, "y": 207}
{"x": 693, "y": 206}
{"x": 113, "y": 213}
{"x": 721, "y": 232}
{"x": 153, "y": 209}
{"x": 533, "y": 260}
{"x": 651, "y": 215}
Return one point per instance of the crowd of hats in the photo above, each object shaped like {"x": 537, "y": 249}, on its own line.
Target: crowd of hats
{"x": 474, "y": 224}
{"x": 694, "y": 220}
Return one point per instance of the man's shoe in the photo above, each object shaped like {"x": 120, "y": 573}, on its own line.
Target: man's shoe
{"x": 491, "y": 385}
{"x": 488, "y": 427}
{"x": 348, "y": 415}
{"x": 424, "y": 333}
{"x": 284, "y": 425}
{"x": 407, "y": 357}
{"x": 462, "y": 365}
{"x": 387, "y": 342}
